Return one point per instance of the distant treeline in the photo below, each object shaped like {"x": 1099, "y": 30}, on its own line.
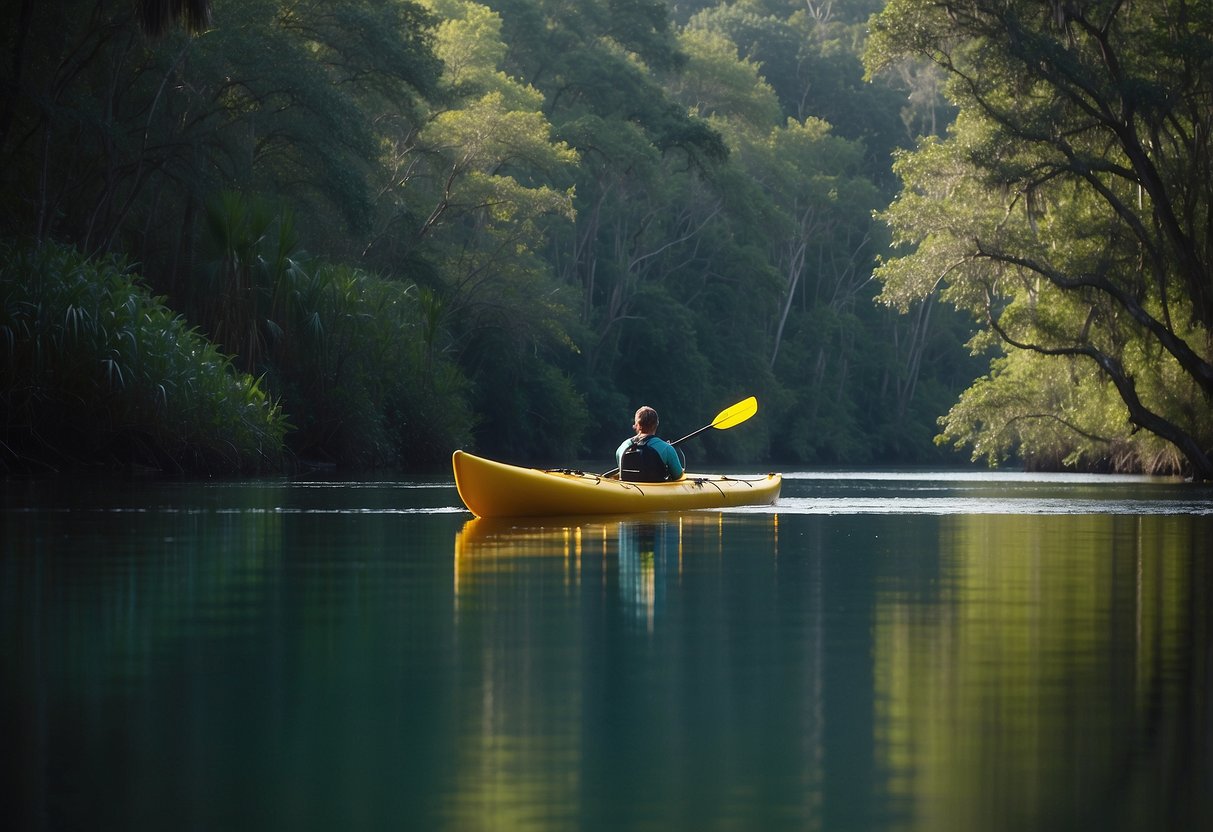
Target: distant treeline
{"x": 427, "y": 225}
{"x": 414, "y": 226}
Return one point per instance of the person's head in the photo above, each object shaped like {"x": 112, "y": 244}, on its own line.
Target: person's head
{"x": 646, "y": 420}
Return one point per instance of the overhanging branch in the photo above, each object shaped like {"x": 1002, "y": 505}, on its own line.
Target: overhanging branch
{"x": 1193, "y": 364}
{"x": 1140, "y": 415}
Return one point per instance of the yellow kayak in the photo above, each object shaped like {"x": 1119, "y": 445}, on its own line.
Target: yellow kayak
{"x": 495, "y": 489}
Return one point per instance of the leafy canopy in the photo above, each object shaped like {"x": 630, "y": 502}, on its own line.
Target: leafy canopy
{"x": 1068, "y": 209}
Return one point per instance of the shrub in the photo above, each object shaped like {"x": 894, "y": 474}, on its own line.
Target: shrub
{"x": 96, "y": 371}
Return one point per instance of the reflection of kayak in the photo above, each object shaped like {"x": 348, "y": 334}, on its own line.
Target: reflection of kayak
{"x": 495, "y": 489}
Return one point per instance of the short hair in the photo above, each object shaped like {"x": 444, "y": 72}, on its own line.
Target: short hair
{"x": 646, "y": 417}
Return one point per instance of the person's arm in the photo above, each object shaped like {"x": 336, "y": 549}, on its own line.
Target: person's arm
{"x": 672, "y": 462}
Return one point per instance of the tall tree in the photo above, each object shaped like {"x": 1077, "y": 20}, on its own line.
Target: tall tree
{"x": 597, "y": 63}
{"x": 810, "y": 57}
{"x": 471, "y": 194}
{"x": 1071, "y": 206}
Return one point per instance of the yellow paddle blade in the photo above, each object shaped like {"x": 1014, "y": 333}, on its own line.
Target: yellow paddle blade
{"x": 735, "y": 415}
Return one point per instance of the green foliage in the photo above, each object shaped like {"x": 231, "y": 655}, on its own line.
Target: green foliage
{"x": 514, "y": 392}
{"x": 251, "y": 245}
{"x": 662, "y": 361}
{"x": 1064, "y": 212}
{"x": 521, "y": 218}
{"x": 811, "y": 62}
{"x": 96, "y": 371}
{"x": 599, "y": 58}
{"x": 549, "y": 38}
{"x": 1052, "y": 412}
{"x": 115, "y": 141}
{"x": 355, "y": 358}
{"x": 479, "y": 200}
{"x": 718, "y": 84}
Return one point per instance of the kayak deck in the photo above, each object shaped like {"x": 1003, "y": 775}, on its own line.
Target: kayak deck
{"x": 496, "y": 489}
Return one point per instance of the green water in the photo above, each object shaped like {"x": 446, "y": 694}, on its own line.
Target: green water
{"x": 878, "y": 652}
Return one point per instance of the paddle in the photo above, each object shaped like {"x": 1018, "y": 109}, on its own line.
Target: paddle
{"x": 730, "y": 417}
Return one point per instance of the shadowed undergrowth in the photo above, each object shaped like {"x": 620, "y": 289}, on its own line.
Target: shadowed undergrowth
{"x": 97, "y": 371}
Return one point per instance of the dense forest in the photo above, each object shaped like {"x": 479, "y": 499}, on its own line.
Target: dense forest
{"x": 365, "y": 233}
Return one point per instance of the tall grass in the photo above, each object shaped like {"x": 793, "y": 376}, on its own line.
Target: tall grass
{"x": 96, "y": 371}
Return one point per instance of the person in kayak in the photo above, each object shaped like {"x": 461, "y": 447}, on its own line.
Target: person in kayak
{"x": 646, "y": 457}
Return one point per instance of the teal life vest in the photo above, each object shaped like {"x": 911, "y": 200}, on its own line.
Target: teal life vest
{"x": 642, "y": 463}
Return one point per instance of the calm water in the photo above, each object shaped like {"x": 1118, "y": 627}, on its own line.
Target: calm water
{"x": 878, "y": 652}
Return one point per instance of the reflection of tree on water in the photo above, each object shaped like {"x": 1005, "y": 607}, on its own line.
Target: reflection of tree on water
{"x": 649, "y": 557}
